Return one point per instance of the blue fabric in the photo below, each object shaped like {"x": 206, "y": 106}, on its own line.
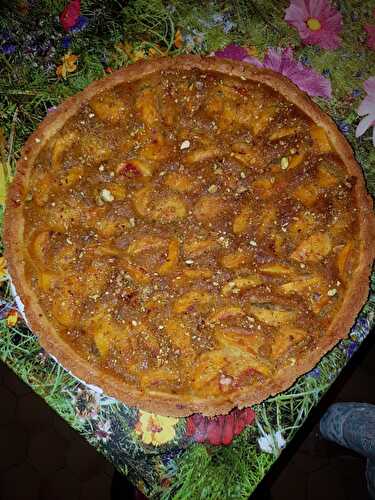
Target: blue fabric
{"x": 353, "y": 425}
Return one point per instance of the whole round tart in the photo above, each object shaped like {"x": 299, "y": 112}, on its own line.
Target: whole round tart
{"x": 190, "y": 234}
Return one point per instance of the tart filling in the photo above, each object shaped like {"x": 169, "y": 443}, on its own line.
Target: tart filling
{"x": 192, "y": 235}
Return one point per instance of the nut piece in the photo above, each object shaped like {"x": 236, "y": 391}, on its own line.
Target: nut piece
{"x": 212, "y": 188}
{"x": 185, "y": 145}
{"x": 106, "y": 195}
{"x": 284, "y": 163}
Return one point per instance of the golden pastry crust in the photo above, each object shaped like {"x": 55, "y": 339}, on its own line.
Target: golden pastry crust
{"x": 155, "y": 400}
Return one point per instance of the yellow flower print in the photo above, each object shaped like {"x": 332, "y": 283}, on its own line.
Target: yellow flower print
{"x": 140, "y": 52}
{"x": 69, "y": 64}
{"x": 135, "y": 54}
{"x": 12, "y": 318}
{"x": 155, "y": 429}
{"x": 3, "y": 270}
{"x": 178, "y": 39}
{"x": 157, "y": 51}
{"x": 5, "y": 168}
{"x": 252, "y": 51}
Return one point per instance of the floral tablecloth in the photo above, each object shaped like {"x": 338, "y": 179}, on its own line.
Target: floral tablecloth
{"x": 50, "y": 49}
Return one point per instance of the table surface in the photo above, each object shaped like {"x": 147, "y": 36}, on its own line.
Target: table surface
{"x": 194, "y": 457}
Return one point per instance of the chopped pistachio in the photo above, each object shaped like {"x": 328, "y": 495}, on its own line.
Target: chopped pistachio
{"x": 284, "y": 163}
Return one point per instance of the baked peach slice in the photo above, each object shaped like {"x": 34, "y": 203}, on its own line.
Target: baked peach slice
{"x": 340, "y": 224}
{"x": 343, "y": 258}
{"x": 199, "y": 300}
{"x": 142, "y": 200}
{"x": 282, "y": 132}
{"x": 267, "y": 219}
{"x": 145, "y": 243}
{"x": 307, "y": 194}
{"x": 302, "y": 227}
{"x": 145, "y": 104}
{"x": 63, "y": 257}
{"x": 234, "y": 260}
{"x": 271, "y": 314}
{"x": 108, "y": 107}
{"x": 248, "y": 341}
{"x": 60, "y": 146}
{"x": 301, "y": 285}
{"x": 296, "y": 159}
{"x": 242, "y": 221}
{"x": 118, "y": 191}
{"x": 45, "y": 183}
{"x": 241, "y": 283}
{"x": 276, "y": 270}
{"x": 137, "y": 273}
{"x": 320, "y": 139}
{"x": 246, "y": 154}
{"x": 73, "y": 175}
{"x": 263, "y": 186}
{"x": 97, "y": 275}
{"x": 47, "y": 280}
{"x": 315, "y": 288}
{"x": 158, "y": 149}
{"x": 107, "y": 332}
{"x": 285, "y": 338}
{"x": 179, "y": 182}
{"x": 226, "y": 313}
{"x": 178, "y": 333}
{"x": 209, "y": 207}
{"x": 206, "y": 371}
{"x": 326, "y": 179}
{"x": 102, "y": 341}
{"x": 189, "y": 275}
{"x": 169, "y": 209}
{"x": 201, "y": 154}
{"x": 244, "y": 148}
{"x": 95, "y": 150}
{"x": 196, "y": 274}
{"x": 158, "y": 378}
{"x": 64, "y": 310}
{"x": 241, "y": 347}
{"x": 39, "y": 245}
{"x": 263, "y": 116}
{"x": 194, "y": 247}
{"x": 313, "y": 249}
{"x": 171, "y": 261}
{"x": 135, "y": 168}
{"x": 65, "y": 303}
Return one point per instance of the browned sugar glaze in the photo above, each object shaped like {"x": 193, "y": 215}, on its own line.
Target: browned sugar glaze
{"x": 191, "y": 232}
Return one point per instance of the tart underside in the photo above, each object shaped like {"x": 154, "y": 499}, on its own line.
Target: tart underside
{"x": 190, "y": 234}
